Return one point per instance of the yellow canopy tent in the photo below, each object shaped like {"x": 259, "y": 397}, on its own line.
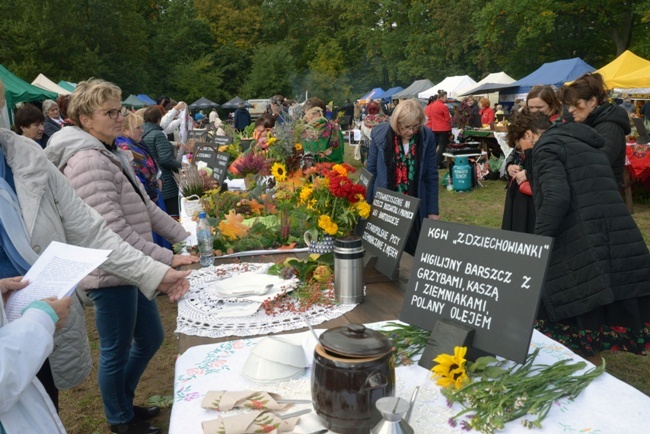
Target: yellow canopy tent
{"x": 639, "y": 79}
{"x": 626, "y": 65}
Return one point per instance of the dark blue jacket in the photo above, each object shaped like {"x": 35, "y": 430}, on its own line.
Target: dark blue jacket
{"x": 377, "y": 164}
{"x": 241, "y": 118}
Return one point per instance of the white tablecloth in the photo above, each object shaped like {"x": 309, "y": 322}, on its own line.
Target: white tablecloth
{"x": 606, "y": 406}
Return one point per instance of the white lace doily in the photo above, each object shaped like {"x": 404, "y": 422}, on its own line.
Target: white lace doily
{"x": 201, "y": 313}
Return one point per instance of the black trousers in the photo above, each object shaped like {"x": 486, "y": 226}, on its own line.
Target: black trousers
{"x": 442, "y": 139}
{"x": 46, "y": 379}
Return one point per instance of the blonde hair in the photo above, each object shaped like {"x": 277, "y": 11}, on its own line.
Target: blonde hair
{"x": 407, "y": 112}
{"x": 90, "y": 95}
{"x": 131, "y": 121}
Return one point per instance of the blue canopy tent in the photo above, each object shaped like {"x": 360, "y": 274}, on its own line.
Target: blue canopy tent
{"x": 376, "y": 93}
{"x": 552, "y": 73}
{"x": 388, "y": 95}
{"x": 146, "y": 99}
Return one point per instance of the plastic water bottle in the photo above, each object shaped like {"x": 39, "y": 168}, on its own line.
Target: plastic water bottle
{"x": 204, "y": 238}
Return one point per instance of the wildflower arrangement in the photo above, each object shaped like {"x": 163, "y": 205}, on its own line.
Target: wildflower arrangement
{"x": 408, "y": 341}
{"x": 194, "y": 180}
{"x": 493, "y": 394}
{"x": 335, "y": 201}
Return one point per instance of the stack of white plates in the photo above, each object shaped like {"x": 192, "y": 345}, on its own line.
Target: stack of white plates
{"x": 273, "y": 360}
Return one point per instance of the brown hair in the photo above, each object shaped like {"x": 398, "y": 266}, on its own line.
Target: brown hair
{"x": 373, "y": 108}
{"x": 590, "y": 85}
{"x": 525, "y": 120}
{"x": 267, "y": 120}
{"x": 63, "y": 101}
{"x": 315, "y": 102}
{"x": 90, "y": 95}
{"x": 27, "y": 115}
{"x": 546, "y": 94}
{"x": 484, "y": 102}
{"x": 153, "y": 114}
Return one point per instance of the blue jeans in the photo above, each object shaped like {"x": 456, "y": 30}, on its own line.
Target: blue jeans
{"x": 130, "y": 333}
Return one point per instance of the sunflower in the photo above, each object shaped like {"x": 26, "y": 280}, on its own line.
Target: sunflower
{"x": 450, "y": 370}
{"x": 279, "y": 172}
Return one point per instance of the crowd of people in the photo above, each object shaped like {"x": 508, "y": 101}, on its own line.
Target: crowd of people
{"x": 84, "y": 171}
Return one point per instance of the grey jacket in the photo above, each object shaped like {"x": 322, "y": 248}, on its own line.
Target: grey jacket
{"x": 53, "y": 212}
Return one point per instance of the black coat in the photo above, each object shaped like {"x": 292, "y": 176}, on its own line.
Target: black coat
{"x": 242, "y": 118}
{"x": 599, "y": 255}
{"x": 613, "y": 123}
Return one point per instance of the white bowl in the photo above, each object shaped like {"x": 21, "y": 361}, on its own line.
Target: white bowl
{"x": 260, "y": 370}
{"x": 279, "y": 350}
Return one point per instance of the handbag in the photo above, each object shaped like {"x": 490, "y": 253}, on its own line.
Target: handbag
{"x": 524, "y": 188}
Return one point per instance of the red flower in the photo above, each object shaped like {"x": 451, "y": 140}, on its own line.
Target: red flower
{"x": 340, "y": 186}
{"x": 357, "y": 192}
{"x": 618, "y": 329}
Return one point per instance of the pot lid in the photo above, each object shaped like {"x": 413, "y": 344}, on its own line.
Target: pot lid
{"x": 355, "y": 340}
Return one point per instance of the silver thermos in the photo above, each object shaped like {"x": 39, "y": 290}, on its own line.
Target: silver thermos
{"x": 348, "y": 270}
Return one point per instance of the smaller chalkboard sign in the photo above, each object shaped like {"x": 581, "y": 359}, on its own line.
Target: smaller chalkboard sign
{"x": 365, "y": 177}
{"x": 486, "y": 279}
{"x": 388, "y": 227}
{"x": 215, "y": 160}
{"x": 198, "y": 135}
{"x": 221, "y": 140}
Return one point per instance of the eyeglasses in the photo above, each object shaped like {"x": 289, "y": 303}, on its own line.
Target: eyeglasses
{"x": 113, "y": 114}
{"x": 412, "y": 128}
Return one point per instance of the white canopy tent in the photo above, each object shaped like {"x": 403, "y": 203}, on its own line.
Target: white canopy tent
{"x": 45, "y": 83}
{"x": 452, "y": 85}
{"x": 493, "y": 78}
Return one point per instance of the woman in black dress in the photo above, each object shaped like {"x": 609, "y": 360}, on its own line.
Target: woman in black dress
{"x": 519, "y": 210}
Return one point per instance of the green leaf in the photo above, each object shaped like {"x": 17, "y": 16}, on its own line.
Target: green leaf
{"x": 494, "y": 372}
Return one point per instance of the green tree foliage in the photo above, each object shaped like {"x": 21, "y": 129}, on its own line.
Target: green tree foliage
{"x": 333, "y": 49}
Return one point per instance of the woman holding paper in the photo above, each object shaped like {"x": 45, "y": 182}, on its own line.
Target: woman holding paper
{"x": 128, "y": 322}
{"x": 24, "y": 406}
{"x": 596, "y": 294}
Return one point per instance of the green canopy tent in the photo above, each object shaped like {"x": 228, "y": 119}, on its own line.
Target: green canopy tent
{"x": 17, "y": 90}
{"x": 66, "y": 85}
{"x": 133, "y": 102}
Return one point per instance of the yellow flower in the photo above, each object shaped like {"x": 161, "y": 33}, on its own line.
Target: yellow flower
{"x": 271, "y": 141}
{"x": 338, "y": 168}
{"x": 363, "y": 208}
{"x": 450, "y": 370}
{"x": 279, "y": 172}
{"x": 298, "y": 147}
{"x": 305, "y": 194}
{"x": 326, "y": 224}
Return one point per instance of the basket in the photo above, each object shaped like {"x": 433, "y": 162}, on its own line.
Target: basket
{"x": 192, "y": 205}
{"x": 500, "y": 129}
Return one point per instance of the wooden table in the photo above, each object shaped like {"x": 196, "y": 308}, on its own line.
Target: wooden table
{"x": 383, "y": 300}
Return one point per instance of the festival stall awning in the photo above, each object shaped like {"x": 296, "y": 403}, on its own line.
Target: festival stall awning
{"x": 133, "y": 102}
{"x": 452, "y": 85}
{"x": 388, "y": 95}
{"x": 67, "y": 85}
{"x": 626, "y": 71}
{"x": 376, "y": 93}
{"x": 146, "y": 99}
{"x": 234, "y": 103}
{"x": 45, "y": 83}
{"x": 491, "y": 81}
{"x": 414, "y": 89}
{"x": 18, "y": 90}
{"x": 203, "y": 103}
{"x": 552, "y": 73}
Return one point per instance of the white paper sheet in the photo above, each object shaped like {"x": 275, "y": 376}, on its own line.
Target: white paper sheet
{"x": 56, "y": 273}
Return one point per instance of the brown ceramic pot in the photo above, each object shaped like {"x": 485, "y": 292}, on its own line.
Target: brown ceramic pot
{"x": 353, "y": 368}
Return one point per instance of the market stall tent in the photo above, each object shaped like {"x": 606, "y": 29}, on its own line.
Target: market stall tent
{"x": 18, "y": 90}
{"x": 485, "y": 86}
{"x": 234, "y": 103}
{"x": 388, "y": 95}
{"x": 133, "y": 102}
{"x": 67, "y": 85}
{"x": 625, "y": 71}
{"x": 45, "y": 83}
{"x": 146, "y": 99}
{"x": 203, "y": 103}
{"x": 376, "y": 93}
{"x": 414, "y": 89}
{"x": 552, "y": 73}
{"x": 452, "y": 85}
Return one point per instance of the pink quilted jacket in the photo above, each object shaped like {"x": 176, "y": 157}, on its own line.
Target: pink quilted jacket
{"x": 99, "y": 177}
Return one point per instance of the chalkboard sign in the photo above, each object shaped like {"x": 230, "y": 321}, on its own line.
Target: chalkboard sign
{"x": 221, "y": 141}
{"x": 197, "y": 135}
{"x": 215, "y": 160}
{"x": 487, "y": 279}
{"x": 387, "y": 228}
{"x": 365, "y": 177}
